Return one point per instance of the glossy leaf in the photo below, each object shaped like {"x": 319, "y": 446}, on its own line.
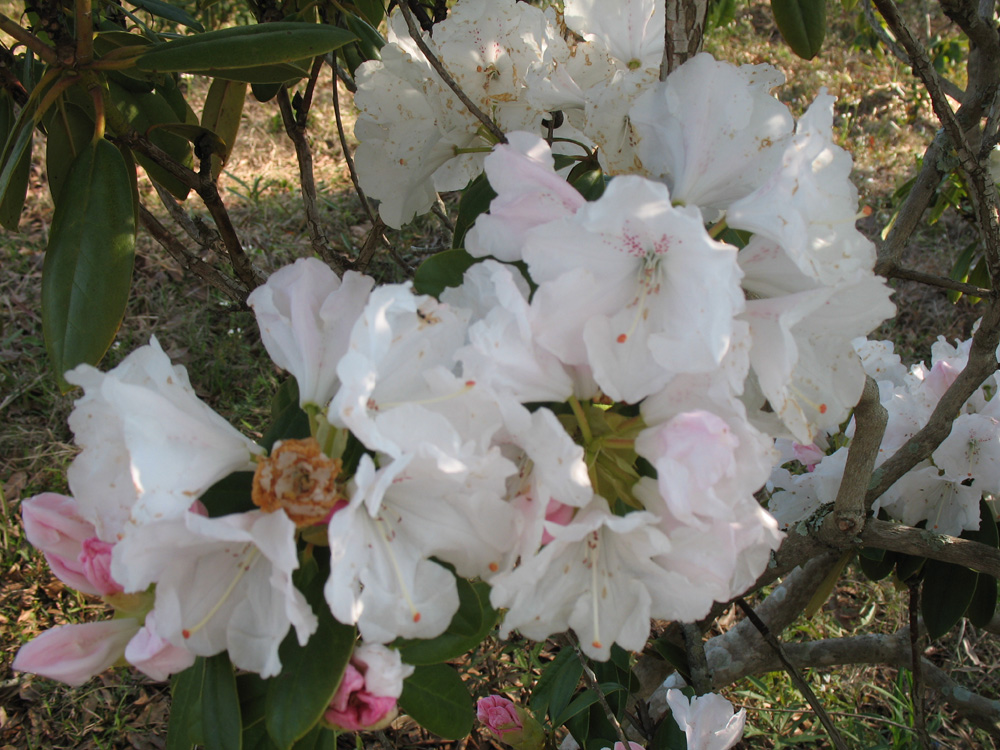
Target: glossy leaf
{"x": 16, "y": 188}
{"x": 265, "y": 92}
{"x": 184, "y": 727}
{"x": 231, "y": 494}
{"x": 472, "y": 622}
{"x": 288, "y": 420}
{"x": 143, "y": 111}
{"x": 252, "y": 691}
{"x": 88, "y": 263}
{"x": 584, "y": 701}
{"x": 16, "y": 160}
{"x": 475, "y": 201}
{"x": 297, "y": 698}
{"x": 557, "y": 684}
{"x": 876, "y": 564}
{"x": 802, "y": 23}
{"x": 221, "y": 722}
{"x": 984, "y": 600}
{"x": 70, "y": 129}
{"x": 169, "y": 12}
{"x": 372, "y": 10}
{"x": 947, "y": 592}
{"x": 437, "y": 699}
{"x": 244, "y": 47}
{"x": 442, "y": 270}
{"x": 588, "y": 178}
{"x": 222, "y": 114}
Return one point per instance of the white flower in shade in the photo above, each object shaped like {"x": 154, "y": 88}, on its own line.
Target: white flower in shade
{"x": 972, "y": 451}
{"x": 631, "y": 31}
{"x": 802, "y": 356}
{"x": 808, "y": 205}
{"x": 150, "y": 445}
{"x": 634, "y": 288}
{"x": 401, "y": 515}
{"x": 880, "y": 361}
{"x": 922, "y": 494}
{"x": 597, "y": 576}
{"x": 708, "y": 721}
{"x": 529, "y": 193}
{"x": 502, "y": 352}
{"x": 305, "y": 313}
{"x": 222, "y": 584}
{"x": 712, "y": 131}
{"x": 798, "y": 496}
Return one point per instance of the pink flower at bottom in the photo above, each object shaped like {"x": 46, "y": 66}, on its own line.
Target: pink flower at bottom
{"x": 75, "y": 653}
{"x": 498, "y": 714}
{"x": 366, "y": 698}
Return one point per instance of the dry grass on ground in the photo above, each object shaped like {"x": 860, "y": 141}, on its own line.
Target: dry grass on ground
{"x": 880, "y": 118}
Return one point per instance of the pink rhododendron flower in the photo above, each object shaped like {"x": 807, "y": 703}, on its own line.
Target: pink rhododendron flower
{"x": 498, "y": 714}
{"x": 52, "y": 523}
{"x": 95, "y": 561}
{"x": 366, "y": 698}
{"x": 75, "y": 653}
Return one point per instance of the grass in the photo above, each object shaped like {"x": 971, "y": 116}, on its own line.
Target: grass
{"x": 881, "y": 117}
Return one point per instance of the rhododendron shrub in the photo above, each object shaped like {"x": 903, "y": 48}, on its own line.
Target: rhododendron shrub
{"x": 642, "y": 366}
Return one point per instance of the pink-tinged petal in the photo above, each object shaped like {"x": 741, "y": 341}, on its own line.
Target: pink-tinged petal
{"x": 95, "y": 561}
{"x": 498, "y": 714}
{"x": 75, "y": 653}
{"x": 52, "y": 523}
{"x": 154, "y": 656}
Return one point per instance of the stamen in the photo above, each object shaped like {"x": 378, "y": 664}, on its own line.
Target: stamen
{"x": 593, "y": 588}
{"x": 379, "y": 524}
{"x": 242, "y": 570}
{"x": 469, "y": 385}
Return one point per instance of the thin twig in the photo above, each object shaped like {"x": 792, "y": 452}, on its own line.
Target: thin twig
{"x": 189, "y": 260}
{"x": 295, "y": 131}
{"x": 800, "y": 683}
{"x": 592, "y": 684}
{"x": 917, "y": 693}
{"x": 332, "y": 60}
{"x": 372, "y": 241}
{"x": 435, "y": 63}
{"x": 196, "y": 230}
{"x": 938, "y": 281}
{"x": 29, "y": 40}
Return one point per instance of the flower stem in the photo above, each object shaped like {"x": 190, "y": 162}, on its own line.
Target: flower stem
{"x": 581, "y": 419}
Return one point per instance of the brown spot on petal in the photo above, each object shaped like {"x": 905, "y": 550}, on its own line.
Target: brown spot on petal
{"x": 300, "y": 480}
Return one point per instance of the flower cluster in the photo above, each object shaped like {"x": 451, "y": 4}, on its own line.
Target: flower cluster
{"x": 581, "y": 421}
{"x": 944, "y": 490}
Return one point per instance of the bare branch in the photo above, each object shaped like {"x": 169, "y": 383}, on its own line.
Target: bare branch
{"x": 296, "y": 131}
{"x": 701, "y": 678}
{"x": 923, "y": 543}
{"x": 435, "y": 63}
{"x": 683, "y": 32}
{"x": 793, "y": 672}
{"x": 938, "y": 281}
{"x": 332, "y": 60}
{"x": 189, "y": 260}
{"x": 917, "y": 693}
{"x": 849, "y": 510}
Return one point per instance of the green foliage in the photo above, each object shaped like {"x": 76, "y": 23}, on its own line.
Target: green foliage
{"x": 221, "y": 722}
{"x": 442, "y": 270}
{"x": 437, "y": 698}
{"x": 88, "y": 262}
{"x": 802, "y": 23}
{"x": 471, "y": 624}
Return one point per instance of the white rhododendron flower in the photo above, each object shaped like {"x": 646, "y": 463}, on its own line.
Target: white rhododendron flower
{"x": 150, "y": 445}
{"x": 631, "y": 32}
{"x": 708, "y": 721}
{"x": 305, "y": 314}
{"x": 222, "y": 584}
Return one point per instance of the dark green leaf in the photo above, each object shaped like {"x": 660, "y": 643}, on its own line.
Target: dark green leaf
{"x": 16, "y": 153}
{"x": 588, "y": 178}
{"x": 253, "y": 697}
{"x": 908, "y": 566}
{"x": 370, "y": 41}
{"x": 802, "y": 23}
{"x": 674, "y": 655}
{"x": 143, "y": 111}
{"x": 372, "y": 10}
{"x": 557, "y": 683}
{"x": 475, "y": 201}
{"x": 319, "y": 738}
{"x": 984, "y": 601}
{"x": 12, "y": 198}
{"x": 70, "y": 130}
{"x": 265, "y": 92}
{"x": 229, "y": 495}
{"x": 167, "y": 87}
{"x": 310, "y": 674}
{"x": 244, "y": 47}
{"x": 222, "y": 114}
{"x": 222, "y": 725}
{"x": 437, "y": 699}
{"x": 169, "y": 12}
{"x": 442, "y": 270}
{"x": 876, "y": 564}
{"x": 584, "y": 701}
{"x": 472, "y": 622}
{"x": 947, "y": 593}
{"x": 184, "y": 727}
{"x": 88, "y": 262}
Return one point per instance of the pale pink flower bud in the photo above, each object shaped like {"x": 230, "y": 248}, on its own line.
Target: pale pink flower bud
{"x": 510, "y": 723}
{"x": 154, "y": 656}
{"x": 498, "y": 714}
{"x": 808, "y": 455}
{"x": 52, "y": 523}
{"x": 366, "y": 698}
{"x": 95, "y": 562}
{"x": 556, "y": 512}
{"x": 75, "y": 653}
